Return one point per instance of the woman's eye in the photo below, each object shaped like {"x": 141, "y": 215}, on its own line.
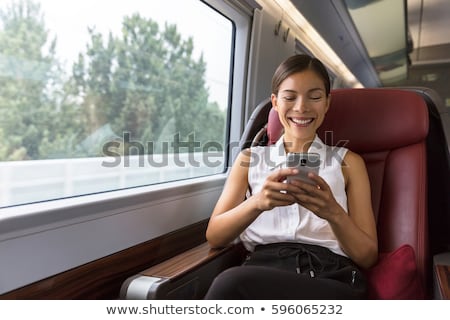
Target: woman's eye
{"x": 316, "y": 98}
{"x": 289, "y": 98}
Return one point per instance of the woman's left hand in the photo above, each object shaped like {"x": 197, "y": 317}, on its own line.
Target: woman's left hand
{"x": 317, "y": 198}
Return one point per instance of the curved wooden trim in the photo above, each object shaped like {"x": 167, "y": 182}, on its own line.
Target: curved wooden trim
{"x": 177, "y": 266}
{"x": 443, "y": 280}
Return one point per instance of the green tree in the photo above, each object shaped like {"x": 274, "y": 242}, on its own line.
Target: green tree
{"x": 145, "y": 82}
{"x": 29, "y": 78}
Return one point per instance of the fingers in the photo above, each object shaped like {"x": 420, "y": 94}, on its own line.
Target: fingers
{"x": 272, "y": 196}
{"x": 321, "y": 184}
{"x": 275, "y": 192}
{"x": 310, "y": 202}
{"x": 277, "y": 181}
{"x": 313, "y": 197}
{"x": 316, "y": 197}
{"x": 281, "y": 174}
{"x": 317, "y": 184}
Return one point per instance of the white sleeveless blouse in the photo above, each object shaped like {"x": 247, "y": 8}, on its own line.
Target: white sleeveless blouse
{"x": 294, "y": 223}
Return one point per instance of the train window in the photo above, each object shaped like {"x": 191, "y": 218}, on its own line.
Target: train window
{"x": 105, "y": 95}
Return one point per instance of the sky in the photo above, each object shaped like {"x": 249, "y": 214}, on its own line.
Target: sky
{"x": 69, "y": 19}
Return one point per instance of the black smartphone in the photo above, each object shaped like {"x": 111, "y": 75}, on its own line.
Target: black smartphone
{"x": 305, "y": 162}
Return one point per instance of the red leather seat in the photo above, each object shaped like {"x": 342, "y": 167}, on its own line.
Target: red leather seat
{"x": 388, "y": 128}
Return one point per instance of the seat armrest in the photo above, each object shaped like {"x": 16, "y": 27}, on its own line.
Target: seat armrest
{"x": 184, "y": 276}
{"x": 442, "y": 276}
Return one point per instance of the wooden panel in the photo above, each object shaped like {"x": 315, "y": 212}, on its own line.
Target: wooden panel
{"x": 184, "y": 262}
{"x": 101, "y": 279}
{"x": 443, "y": 278}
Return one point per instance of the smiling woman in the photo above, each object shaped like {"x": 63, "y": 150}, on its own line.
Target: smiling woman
{"x": 305, "y": 240}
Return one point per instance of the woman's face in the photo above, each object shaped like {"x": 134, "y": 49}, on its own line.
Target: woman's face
{"x": 301, "y": 104}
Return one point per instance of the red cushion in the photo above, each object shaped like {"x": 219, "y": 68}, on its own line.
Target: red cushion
{"x": 395, "y": 276}
{"x": 274, "y": 127}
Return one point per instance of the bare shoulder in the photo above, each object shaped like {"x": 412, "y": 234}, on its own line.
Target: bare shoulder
{"x": 241, "y": 163}
{"x": 353, "y": 165}
{"x": 236, "y": 185}
{"x": 243, "y": 158}
{"x": 352, "y": 158}
{"x": 239, "y": 171}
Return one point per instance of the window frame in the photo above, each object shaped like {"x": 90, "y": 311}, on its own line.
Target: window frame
{"x": 26, "y": 229}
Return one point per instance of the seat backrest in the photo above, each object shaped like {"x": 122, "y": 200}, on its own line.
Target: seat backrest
{"x": 388, "y": 128}
{"x": 438, "y": 169}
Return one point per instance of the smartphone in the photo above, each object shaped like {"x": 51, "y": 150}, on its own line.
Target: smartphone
{"x": 305, "y": 163}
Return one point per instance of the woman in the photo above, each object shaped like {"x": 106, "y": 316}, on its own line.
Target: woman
{"x": 306, "y": 240}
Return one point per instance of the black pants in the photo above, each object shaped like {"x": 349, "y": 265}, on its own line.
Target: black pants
{"x": 290, "y": 271}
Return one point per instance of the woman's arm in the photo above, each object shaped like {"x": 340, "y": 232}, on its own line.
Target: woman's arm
{"x": 355, "y": 231}
{"x": 233, "y": 213}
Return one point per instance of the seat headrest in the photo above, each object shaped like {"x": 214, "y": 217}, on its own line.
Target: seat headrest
{"x": 274, "y": 127}
{"x": 376, "y": 119}
{"x": 370, "y": 120}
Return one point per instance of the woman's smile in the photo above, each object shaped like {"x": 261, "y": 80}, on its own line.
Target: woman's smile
{"x": 301, "y": 121}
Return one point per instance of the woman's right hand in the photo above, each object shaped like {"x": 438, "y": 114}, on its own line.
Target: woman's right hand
{"x": 233, "y": 212}
{"x": 275, "y": 190}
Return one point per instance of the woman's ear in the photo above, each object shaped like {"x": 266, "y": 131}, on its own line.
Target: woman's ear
{"x": 273, "y": 97}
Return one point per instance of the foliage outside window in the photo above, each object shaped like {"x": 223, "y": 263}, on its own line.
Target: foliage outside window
{"x": 140, "y": 93}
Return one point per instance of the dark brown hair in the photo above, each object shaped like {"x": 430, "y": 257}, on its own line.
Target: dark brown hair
{"x": 298, "y": 63}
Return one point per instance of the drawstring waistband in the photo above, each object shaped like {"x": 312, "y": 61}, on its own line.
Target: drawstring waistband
{"x": 307, "y": 259}
{"x": 314, "y": 262}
